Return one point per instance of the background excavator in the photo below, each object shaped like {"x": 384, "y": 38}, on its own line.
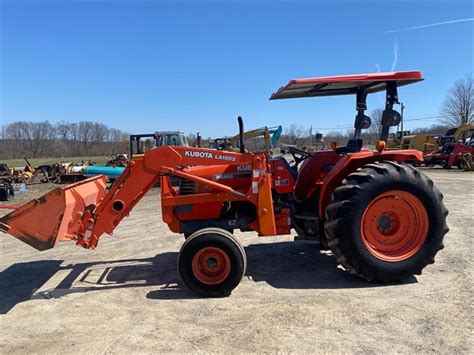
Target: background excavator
{"x": 381, "y": 218}
{"x": 271, "y": 135}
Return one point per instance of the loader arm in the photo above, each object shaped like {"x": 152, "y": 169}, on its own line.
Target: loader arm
{"x": 84, "y": 211}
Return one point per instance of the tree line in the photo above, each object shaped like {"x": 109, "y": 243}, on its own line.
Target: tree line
{"x": 63, "y": 139}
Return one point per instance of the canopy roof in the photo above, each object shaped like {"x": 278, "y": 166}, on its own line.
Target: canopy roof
{"x": 344, "y": 84}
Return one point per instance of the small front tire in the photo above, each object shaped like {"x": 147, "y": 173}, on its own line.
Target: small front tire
{"x": 212, "y": 262}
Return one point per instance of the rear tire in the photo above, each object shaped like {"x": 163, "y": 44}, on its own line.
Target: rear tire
{"x": 212, "y": 262}
{"x": 386, "y": 222}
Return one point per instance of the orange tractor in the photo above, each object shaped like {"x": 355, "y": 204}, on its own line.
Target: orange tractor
{"x": 382, "y": 218}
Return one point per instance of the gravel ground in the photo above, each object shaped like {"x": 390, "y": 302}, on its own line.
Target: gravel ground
{"x": 126, "y": 295}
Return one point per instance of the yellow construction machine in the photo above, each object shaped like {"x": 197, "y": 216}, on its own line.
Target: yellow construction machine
{"x": 425, "y": 143}
{"x": 271, "y": 136}
{"x": 428, "y": 143}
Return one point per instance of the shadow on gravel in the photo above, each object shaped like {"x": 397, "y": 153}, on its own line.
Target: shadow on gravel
{"x": 20, "y": 281}
{"x": 282, "y": 265}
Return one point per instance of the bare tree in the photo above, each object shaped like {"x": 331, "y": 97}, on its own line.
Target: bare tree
{"x": 63, "y": 129}
{"x": 458, "y": 106}
{"x": 31, "y": 137}
{"x": 42, "y": 133}
{"x": 376, "y": 126}
{"x": 192, "y": 139}
{"x": 85, "y": 132}
{"x": 115, "y": 135}
{"x": 99, "y": 132}
{"x": 74, "y": 131}
{"x": 14, "y": 132}
{"x": 293, "y": 133}
{"x": 336, "y": 136}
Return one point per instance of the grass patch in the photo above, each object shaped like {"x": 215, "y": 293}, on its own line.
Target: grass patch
{"x": 42, "y": 161}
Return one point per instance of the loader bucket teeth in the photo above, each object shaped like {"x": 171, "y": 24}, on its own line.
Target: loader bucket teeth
{"x": 56, "y": 216}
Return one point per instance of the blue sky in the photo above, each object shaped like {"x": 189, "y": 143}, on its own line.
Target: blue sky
{"x": 142, "y": 66}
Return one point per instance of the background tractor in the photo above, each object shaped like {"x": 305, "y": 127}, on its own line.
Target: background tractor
{"x": 140, "y": 143}
{"x": 383, "y": 219}
{"x": 452, "y": 147}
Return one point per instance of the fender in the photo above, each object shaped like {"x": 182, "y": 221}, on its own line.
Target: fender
{"x": 351, "y": 162}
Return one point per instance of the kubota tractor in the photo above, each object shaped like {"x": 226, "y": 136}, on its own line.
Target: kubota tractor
{"x": 382, "y": 218}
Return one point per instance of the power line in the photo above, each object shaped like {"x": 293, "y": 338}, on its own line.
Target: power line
{"x": 424, "y": 117}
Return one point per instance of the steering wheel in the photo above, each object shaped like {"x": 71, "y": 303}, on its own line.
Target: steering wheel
{"x": 298, "y": 155}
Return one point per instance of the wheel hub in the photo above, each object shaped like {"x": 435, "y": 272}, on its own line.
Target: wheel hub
{"x": 388, "y": 223}
{"x": 384, "y": 222}
{"x": 394, "y": 226}
{"x": 211, "y": 265}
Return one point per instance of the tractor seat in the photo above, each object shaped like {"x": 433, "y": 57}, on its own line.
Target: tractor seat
{"x": 353, "y": 146}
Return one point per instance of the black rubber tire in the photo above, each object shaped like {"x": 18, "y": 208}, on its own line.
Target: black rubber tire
{"x": 461, "y": 164}
{"x": 349, "y": 201}
{"x": 323, "y": 240}
{"x": 187, "y": 235}
{"x": 8, "y": 194}
{"x": 214, "y": 237}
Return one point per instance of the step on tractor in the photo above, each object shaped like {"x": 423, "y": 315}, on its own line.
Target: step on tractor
{"x": 383, "y": 219}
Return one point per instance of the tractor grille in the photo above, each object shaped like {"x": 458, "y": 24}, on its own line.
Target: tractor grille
{"x": 186, "y": 187}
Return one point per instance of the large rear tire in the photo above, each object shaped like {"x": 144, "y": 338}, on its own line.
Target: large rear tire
{"x": 386, "y": 222}
{"x": 212, "y": 262}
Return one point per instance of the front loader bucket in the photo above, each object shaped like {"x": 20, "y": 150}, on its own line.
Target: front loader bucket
{"x": 56, "y": 216}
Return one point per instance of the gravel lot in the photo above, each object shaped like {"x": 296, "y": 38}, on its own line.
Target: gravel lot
{"x": 126, "y": 295}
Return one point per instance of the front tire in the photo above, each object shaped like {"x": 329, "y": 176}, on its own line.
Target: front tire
{"x": 212, "y": 262}
{"x": 386, "y": 222}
